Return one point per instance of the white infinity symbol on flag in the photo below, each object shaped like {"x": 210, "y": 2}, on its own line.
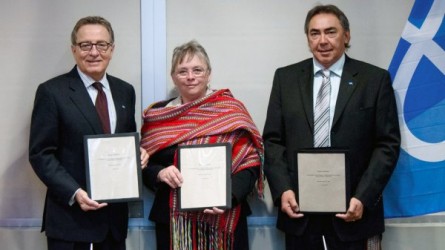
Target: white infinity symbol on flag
{"x": 422, "y": 44}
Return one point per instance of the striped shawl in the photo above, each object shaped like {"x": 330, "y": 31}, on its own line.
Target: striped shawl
{"x": 215, "y": 118}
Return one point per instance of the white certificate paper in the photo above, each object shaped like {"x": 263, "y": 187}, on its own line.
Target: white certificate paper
{"x": 206, "y": 172}
{"x": 113, "y": 167}
{"x": 322, "y": 181}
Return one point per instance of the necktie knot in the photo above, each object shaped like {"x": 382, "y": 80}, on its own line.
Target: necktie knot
{"x": 325, "y": 73}
{"x": 98, "y": 86}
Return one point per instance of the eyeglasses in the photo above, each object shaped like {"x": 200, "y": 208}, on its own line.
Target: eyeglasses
{"x": 197, "y": 72}
{"x": 100, "y": 46}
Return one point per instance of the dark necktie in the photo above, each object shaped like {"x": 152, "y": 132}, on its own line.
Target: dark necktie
{"x": 321, "y": 112}
{"x": 102, "y": 107}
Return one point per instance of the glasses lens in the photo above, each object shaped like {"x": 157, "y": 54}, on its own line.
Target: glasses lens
{"x": 100, "y": 46}
{"x": 197, "y": 72}
{"x": 85, "y": 46}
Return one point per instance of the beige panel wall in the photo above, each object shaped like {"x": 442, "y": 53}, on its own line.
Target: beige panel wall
{"x": 248, "y": 39}
{"x": 35, "y": 46}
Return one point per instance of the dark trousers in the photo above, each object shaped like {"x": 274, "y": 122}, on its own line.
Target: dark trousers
{"x": 320, "y": 233}
{"x": 108, "y": 244}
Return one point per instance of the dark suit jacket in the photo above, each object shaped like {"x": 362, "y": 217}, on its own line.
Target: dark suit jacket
{"x": 365, "y": 122}
{"x": 63, "y": 113}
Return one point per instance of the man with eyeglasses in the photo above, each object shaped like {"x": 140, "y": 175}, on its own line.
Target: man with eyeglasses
{"x": 64, "y": 111}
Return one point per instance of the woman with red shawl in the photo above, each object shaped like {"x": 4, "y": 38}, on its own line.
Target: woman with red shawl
{"x": 199, "y": 115}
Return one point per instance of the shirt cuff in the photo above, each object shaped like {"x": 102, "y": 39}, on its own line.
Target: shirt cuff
{"x": 73, "y": 200}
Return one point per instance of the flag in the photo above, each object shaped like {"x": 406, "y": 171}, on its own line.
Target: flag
{"x": 417, "y": 185}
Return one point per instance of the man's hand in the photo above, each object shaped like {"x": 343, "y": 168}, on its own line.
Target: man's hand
{"x": 289, "y": 204}
{"x": 171, "y": 176}
{"x": 87, "y": 204}
{"x": 355, "y": 211}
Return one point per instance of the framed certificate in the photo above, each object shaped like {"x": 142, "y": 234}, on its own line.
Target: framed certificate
{"x": 206, "y": 169}
{"x": 323, "y": 180}
{"x": 113, "y": 167}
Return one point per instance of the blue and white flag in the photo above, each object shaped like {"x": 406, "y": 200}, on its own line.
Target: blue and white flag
{"x": 417, "y": 186}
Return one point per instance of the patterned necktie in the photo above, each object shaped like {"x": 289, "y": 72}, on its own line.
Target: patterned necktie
{"x": 102, "y": 108}
{"x": 321, "y": 112}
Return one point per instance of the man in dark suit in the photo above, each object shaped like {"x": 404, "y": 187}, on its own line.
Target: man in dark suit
{"x": 362, "y": 117}
{"x": 64, "y": 111}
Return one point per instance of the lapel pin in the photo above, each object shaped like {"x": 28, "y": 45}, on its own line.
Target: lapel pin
{"x": 350, "y": 83}
{"x": 123, "y": 106}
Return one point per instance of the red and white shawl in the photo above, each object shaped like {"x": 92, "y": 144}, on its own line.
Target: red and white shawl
{"x": 215, "y": 118}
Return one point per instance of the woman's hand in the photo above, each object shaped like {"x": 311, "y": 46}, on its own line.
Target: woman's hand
{"x": 214, "y": 211}
{"x": 144, "y": 157}
{"x": 171, "y": 176}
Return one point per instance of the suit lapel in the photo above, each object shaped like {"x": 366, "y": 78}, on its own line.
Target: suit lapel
{"x": 348, "y": 84}
{"x": 82, "y": 100}
{"x": 306, "y": 80}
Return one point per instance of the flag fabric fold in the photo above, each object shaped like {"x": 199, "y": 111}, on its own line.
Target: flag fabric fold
{"x": 417, "y": 186}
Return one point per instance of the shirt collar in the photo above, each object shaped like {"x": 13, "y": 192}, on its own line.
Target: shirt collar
{"x": 336, "y": 68}
{"x": 88, "y": 81}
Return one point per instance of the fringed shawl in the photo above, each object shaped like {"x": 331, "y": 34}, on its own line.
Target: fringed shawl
{"x": 215, "y": 118}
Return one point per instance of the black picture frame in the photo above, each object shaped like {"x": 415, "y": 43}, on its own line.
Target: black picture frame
{"x": 322, "y": 180}
{"x": 114, "y": 175}
{"x": 192, "y": 193}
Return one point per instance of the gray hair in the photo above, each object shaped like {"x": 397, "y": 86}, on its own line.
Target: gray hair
{"x": 190, "y": 49}
{"x": 91, "y": 20}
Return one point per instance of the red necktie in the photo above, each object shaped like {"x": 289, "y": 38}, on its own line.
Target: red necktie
{"x": 102, "y": 108}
